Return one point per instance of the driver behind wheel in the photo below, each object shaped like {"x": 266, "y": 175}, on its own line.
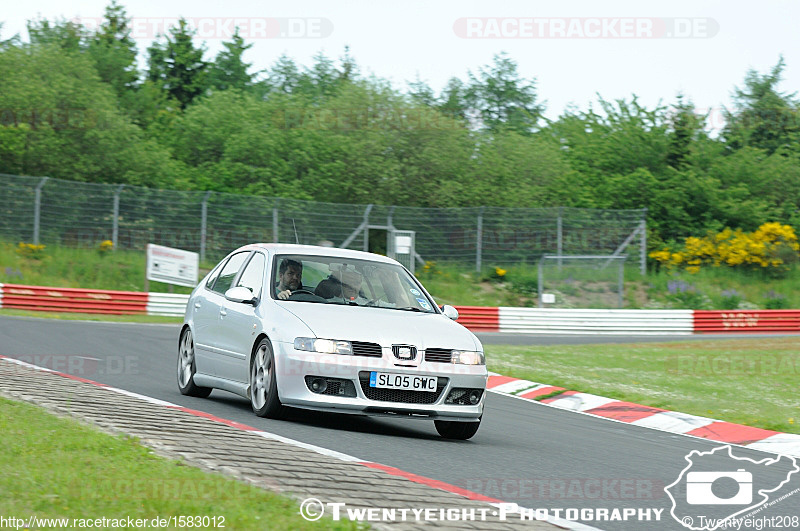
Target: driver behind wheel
{"x": 290, "y": 278}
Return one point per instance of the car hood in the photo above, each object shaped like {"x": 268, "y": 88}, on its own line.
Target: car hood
{"x": 383, "y": 325}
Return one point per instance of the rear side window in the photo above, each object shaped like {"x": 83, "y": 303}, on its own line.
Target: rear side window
{"x": 229, "y": 272}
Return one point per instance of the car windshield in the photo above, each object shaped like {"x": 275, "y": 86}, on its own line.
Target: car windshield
{"x": 336, "y": 280}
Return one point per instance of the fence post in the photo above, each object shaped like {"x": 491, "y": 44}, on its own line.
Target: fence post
{"x": 275, "y": 221}
{"x": 203, "y": 225}
{"x": 560, "y": 231}
{"x": 37, "y": 208}
{"x": 539, "y": 289}
{"x": 115, "y": 229}
{"x": 479, "y": 241}
{"x": 643, "y": 251}
{"x": 366, "y": 227}
{"x": 620, "y": 280}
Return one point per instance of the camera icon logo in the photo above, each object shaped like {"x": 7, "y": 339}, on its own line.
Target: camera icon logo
{"x": 699, "y": 488}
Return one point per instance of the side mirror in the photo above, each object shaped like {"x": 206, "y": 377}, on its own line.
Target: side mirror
{"x": 450, "y": 312}
{"x": 240, "y": 294}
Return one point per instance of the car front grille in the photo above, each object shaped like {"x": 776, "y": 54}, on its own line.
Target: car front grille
{"x": 363, "y": 348}
{"x": 440, "y": 355}
{"x": 400, "y": 395}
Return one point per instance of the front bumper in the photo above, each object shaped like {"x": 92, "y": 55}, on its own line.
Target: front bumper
{"x": 293, "y": 368}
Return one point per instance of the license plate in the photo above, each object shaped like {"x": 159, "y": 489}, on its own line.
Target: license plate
{"x": 406, "y": 382}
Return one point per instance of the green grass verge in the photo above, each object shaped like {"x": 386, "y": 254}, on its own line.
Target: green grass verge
{"x": 66, "y": 267}
{"x": 69, "y": 316}
{"x": 457, "y": 284}
{"x": 744, "y": 381}
{"x": 54, "y": 467}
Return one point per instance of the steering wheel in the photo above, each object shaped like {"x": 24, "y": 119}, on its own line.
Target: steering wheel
{"x": 302, "y": 290}
{"x": 305, "y": 295}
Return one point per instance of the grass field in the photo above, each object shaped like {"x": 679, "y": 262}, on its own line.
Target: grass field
{"x": 54, "y": 467}
{"x": 745, "y": 381}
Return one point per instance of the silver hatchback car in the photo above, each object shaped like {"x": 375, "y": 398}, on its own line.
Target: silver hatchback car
{"x": 330, "y": 330}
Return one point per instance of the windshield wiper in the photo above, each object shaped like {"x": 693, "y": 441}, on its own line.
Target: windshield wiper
{"x": 412, "y": 309}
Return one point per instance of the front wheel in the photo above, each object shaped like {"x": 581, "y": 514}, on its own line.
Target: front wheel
{"x": 263, "y": 383}
{"x": 456, "y": 430}
{"x": 187, "y": 367}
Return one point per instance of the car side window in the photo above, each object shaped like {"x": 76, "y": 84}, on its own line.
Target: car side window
{"x": 253, "y": 275}
{"x": 229, "y": 272}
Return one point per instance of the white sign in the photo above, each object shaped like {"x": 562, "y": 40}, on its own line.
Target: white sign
{"x": 172, "y": 266}
{"x": 402, "y": 244}
{"x": 548, "y": 298}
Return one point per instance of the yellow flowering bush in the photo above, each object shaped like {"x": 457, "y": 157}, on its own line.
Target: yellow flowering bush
{"x": 772, "y": 247}
{"x": 105, "y": 246}
{"x": 31, "y": 250}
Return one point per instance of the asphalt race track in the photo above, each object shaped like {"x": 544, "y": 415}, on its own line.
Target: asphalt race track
{"x": 527, "y": 453}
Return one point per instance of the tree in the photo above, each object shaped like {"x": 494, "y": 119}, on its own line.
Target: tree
{"x": 349, "y": 68}
{"x": 762, "y": 116}
{"x": 65, "y": 34}
{"x": 686, "y": 126}
{"x": 177, "y": 66}
{"x": 229, "y": 71}
{"x": 421, "y": 93}
{"x": 452, "y": 100}
{"x": 504, "y": 99}
{"x": 114, "y": 51}
{"x": 64, "y": 122}
{"x": 284, "y": 76}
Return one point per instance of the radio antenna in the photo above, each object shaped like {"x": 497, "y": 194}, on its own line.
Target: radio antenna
{"x": 296, "y": 239}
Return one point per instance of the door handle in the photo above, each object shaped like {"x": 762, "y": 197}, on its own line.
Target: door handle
{"x": 197, "y": 305}
{"x": 222, "y": 312}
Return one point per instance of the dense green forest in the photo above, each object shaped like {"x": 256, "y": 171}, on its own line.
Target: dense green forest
{"x": 74, "y": 105}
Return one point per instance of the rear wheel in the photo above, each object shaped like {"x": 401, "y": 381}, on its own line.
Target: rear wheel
{"x": 187, "y": 368}
{"x": 263, "y": 383}
{"x": 456, "y": 430}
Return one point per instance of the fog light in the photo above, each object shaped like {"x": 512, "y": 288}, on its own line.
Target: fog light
{"x": 318, "y": 385}
{"x": 474, "y": 397}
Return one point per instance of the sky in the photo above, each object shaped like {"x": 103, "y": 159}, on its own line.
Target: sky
{"x": 574, "y": 49}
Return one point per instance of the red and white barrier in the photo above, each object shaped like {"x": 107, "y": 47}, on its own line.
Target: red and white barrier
{"x": 48, "y": 299}
{"x": 553, "y": 321}
{"x": 750, "y": 321}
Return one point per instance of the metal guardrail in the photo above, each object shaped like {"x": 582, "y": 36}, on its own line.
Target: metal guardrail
{"x": 588, "y": 321}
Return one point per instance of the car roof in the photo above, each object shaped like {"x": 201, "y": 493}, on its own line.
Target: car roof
{"x": 317, "y": 250}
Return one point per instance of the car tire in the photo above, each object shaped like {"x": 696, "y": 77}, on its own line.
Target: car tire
{"x": 187, "y": 367}
{"x": 456, "y": 430}
{"x": 264, "y": 384}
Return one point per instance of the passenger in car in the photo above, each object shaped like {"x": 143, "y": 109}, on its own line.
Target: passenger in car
{"x": 342, "y": 286}
{"x": 290, "y": 278}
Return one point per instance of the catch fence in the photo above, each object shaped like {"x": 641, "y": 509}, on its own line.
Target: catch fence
{"x": 53, "y": 211}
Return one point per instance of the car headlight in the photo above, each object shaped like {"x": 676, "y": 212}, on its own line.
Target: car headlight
{"x": 468, "y": 357}
{"x": 326, "y": 346}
